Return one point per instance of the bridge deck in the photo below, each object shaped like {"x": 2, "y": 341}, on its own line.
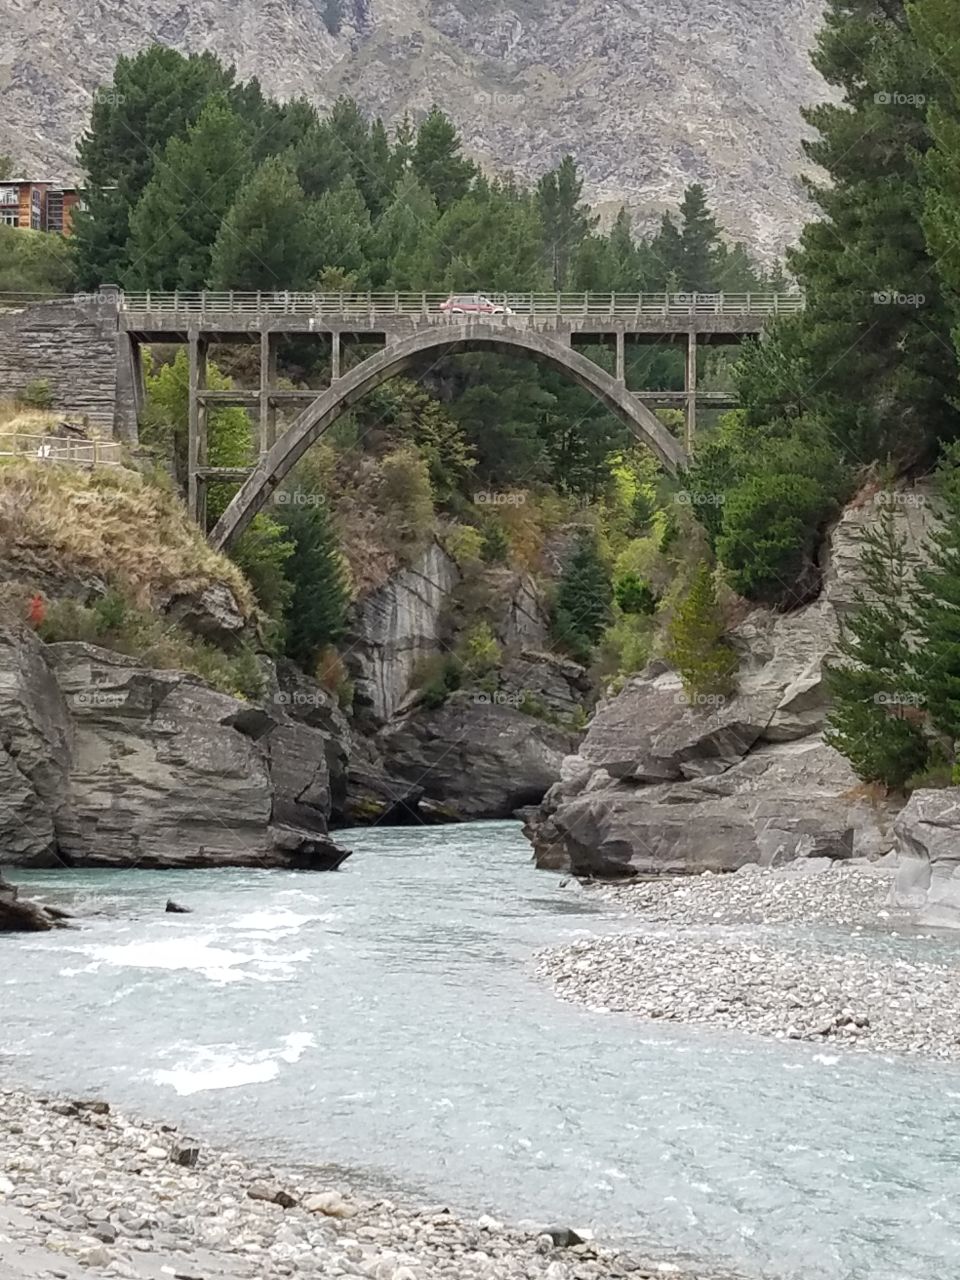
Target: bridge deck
{"x": 236, "y": 316}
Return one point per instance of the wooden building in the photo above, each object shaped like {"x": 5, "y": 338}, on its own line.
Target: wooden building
{"x": 38, "y": 205}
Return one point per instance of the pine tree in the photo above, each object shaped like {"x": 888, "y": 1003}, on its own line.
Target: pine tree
{"x": 937, "y": 613}
{"x": 266, "y": 239}
{"x": 661, "y": 257}
{"x": 153, "y": 97}
{"x": 341, "y": 225}
{"x": 700, "y": 243}
{"x": 401, "y": 154}
{"x": 593, "y": 269}
{"x": 566, "y": 219}
{"x": 319, "y": 161}
{"x": 490, "y": 238}
{"x": 584, "y": 595}
{"x": 437, "y": 160}
{"x": 626, "y": 274}
{"x": 317, "y": 610}
{"x": 402, "y": 239}
{"x": 875, "y": 329}
{"x": 355, "y": 146}
{"x": 873, "y": 721}
{"x": 174, "y": 226}
{"x": 934, "y": 24}
{"x": 695, "y": 641}
{"x": 379, "y": 192}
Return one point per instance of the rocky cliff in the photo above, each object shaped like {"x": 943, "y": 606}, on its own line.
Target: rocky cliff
{"x": 659, "y": 786}
{"x": 104, "y": 762}
{"x": 649, "y": 95}
{"x": 492, "y": 747}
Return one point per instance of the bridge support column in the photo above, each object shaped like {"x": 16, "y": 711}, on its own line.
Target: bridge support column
{"x": 621, "y": 358}
{"x": 334, "y": 356}
{"x": 268, "y": 381}
{"x": 690, "y": 387}
{"x": 196, "y": 427}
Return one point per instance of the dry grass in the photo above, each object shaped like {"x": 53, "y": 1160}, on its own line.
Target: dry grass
{"x": 16, "y": 419}
{"x": 112, "y": 523}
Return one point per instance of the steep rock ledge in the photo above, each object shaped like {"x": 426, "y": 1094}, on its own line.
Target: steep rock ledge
{"x": 494, "y": 746}
{"x": 661, "y": 787}
{"x": 111, "y": 764}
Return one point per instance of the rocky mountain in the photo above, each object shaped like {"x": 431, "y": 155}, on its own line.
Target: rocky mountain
{"x": 649, "y": 95}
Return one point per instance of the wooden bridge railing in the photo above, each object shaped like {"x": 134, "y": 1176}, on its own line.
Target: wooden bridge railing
{"x": 619, "y": 305}
{"x": 78, "y": 453}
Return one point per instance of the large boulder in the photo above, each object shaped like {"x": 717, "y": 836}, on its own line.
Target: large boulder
{"x": 928, "y": 848}
{"x": 476, "y": 756}
{"x": 166, "y": 772}
{"x": 35, "y": 733}
{"x": 295, "y": 698}
{"x": 19, "y": 915}
{"x": 780, "y": 802}
{"x": 211, "y": 612}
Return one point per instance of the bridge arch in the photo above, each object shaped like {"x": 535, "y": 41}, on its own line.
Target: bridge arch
{"x": 318, "y": 417}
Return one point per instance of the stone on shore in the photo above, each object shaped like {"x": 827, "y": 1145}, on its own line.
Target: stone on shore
{"x": 19, "y": 915}
{"x": 928, "y": 848}
{"x": 82, "y": 1192}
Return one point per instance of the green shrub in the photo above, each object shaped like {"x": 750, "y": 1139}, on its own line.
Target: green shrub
{"x": 480, "y": 650}
{"x": 584, "y": 596}
{"x": 635, "y": 595}
{"x": 438, "y": 677}
{"x": 627, "y": 645}
{"x": 114, "y": 622}
{"x": 465, "y": 544}
{"x": 406, "y": 495}
{"x": 642, "y": 510}
{"x": 769, "y": 534}
{"x": 695, "y": 641}
{"x": 496, "y": 543}
{"x": 37, "y": 394}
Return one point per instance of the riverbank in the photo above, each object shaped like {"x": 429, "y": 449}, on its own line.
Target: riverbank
{"x": 741, "y": 954}
{"x": 87, "y": 1191}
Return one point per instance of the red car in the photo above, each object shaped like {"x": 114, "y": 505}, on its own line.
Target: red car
{"x": 473, "y": 304}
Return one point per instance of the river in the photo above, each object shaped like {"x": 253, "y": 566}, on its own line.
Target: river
{"x": 385, "y": 1019}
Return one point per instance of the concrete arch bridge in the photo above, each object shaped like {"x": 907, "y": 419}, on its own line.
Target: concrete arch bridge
{"x": 408, "y": 328}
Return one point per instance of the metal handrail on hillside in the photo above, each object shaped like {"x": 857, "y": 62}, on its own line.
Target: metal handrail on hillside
{"x": 614, "y": 305}
{"x": 78, "y": 453}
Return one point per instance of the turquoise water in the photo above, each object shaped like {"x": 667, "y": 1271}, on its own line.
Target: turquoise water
{"x": 386, "y": 1018}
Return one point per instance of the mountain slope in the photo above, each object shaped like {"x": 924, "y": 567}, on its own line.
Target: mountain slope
{"x": 647, "y": 94}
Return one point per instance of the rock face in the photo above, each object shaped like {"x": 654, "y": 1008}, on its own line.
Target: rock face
{"x": 394, "y": 628}
{"x": 713, "y": 90}
{"x": 659, "y": 786}
{"x": 109, "y": 763}
{"x": 35, "y": 735}
{"x": 928, "y": 846}
{"x": 476, "y": 757}
{"x": 482, "y": 754}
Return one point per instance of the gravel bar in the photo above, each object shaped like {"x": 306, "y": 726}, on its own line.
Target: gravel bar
{"x": 85, "y": 1191}
{"x": 735, "y": 959}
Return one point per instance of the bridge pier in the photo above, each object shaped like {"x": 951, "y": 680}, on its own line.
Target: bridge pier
{"x": 196, "y": 426}
{"x": 621, "y": 373}
{"x": 334, "y": 355}
{"x": 690, "y": 388}
{"x": 268, "y": 378}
